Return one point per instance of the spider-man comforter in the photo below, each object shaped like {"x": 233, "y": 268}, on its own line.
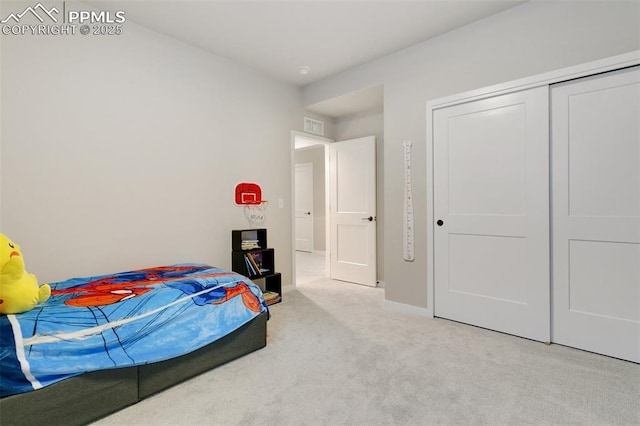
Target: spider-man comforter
{"x": 120, "y": 320}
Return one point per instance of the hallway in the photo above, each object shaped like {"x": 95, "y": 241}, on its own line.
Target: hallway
{"x": 310, "y": 267}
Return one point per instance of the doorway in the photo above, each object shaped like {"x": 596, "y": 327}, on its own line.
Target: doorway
{"x": 353, "y": 115}
{"x": 310, "y": 160}
{"x": 343, "y": 209}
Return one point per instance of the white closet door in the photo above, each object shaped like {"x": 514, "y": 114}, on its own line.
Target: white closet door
{"x": 596, "y": 213}
{"x": 491, "y": 197}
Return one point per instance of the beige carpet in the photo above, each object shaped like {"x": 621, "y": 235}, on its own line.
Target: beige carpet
{"x": 336, "y": 357}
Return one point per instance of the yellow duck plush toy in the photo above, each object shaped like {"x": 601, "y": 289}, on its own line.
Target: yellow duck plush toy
{"x": 19, "y": 290}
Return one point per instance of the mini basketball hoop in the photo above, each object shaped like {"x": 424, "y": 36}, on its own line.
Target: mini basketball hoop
{"x": 249, "y": 196}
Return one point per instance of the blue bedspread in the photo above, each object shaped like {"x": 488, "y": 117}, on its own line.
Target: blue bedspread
{"x": 120, "y": 320}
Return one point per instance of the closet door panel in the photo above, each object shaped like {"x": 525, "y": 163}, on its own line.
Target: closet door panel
{"x": 491, "y": 194}
{"x": 596, "y": 213}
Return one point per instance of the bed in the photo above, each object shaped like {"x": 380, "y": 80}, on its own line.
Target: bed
{"x": 100, "y": 344}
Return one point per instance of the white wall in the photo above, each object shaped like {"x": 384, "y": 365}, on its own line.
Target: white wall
{"x": 535, "y": 37}
{"x": 123, "y": 152}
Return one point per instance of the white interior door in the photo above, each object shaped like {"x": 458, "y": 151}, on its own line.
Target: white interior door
{"x": 596, "y": 213}
{"x": 304, "y": 207}
{"x": 352, "y": 186}
{"x": 491, "y": 206}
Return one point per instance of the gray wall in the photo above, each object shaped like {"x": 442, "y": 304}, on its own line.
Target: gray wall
{"x": 315, "y": 156}
{"x": 123, "y": 152}
{"x": 535, "y": 37}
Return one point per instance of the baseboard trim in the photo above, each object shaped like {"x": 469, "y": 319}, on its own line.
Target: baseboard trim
{"x": 407, "y": 309}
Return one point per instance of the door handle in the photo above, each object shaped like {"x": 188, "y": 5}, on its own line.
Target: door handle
{"x": 440, "y": 222}
{"x": 370, "y": 218}
{"x": 309, "y": 213}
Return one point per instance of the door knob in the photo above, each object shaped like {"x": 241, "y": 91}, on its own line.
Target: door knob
{"x": 308, "y": 213}
{"x": 370, "y": 218}
{"x": 440, "y": 222}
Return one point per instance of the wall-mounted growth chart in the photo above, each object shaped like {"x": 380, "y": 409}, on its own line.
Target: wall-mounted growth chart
{"x": 408, "y": 225}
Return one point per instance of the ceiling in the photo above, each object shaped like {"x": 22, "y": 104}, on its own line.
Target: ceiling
{"x": 359, "y": 101}
{"x": 278, "y": 37}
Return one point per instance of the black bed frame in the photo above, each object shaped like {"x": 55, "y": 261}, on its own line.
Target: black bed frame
{"x": 91, "y": 396}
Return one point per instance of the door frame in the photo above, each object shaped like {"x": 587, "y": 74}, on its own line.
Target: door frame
{"x": 319, "y": 140}
{"x": 582, "y": 70}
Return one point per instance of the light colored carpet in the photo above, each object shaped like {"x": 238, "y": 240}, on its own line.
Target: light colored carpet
{"x": 336, "y": 357}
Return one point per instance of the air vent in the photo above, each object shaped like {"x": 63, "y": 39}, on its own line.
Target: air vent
{"x": 313, "y": 126}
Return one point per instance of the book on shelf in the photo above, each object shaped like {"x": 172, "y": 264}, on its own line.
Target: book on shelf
{"x": 249, "y": 244}
{"x": 271, "y": 297}
{"x": 256, "y": 264}
{"x": 250, "y": 268}
{"x": 257, "y": 257}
